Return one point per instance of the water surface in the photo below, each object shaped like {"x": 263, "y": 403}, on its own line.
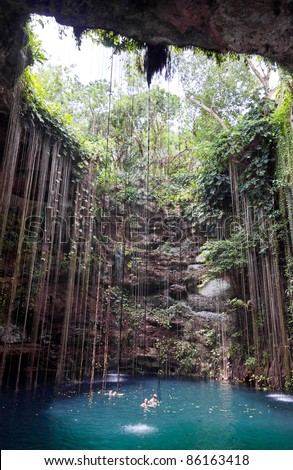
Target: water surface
{"x": 192, "y": 415}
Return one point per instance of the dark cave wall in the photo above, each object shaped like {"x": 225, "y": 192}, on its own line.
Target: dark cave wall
{"x": 12, "y": 55}
{"x": 260, "y": 27}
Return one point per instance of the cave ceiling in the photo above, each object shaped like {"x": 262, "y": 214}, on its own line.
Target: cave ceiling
{"x": 251, "y": 26}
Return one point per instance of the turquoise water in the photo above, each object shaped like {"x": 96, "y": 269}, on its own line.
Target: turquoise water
{"x": 192, "y": 415}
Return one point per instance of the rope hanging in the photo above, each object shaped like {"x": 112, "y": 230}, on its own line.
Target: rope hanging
{"x": 146, "y": 217}
{"x": 107, "y": 186}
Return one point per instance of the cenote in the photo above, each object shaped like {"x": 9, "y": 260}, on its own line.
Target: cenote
{"x": 146, "y": 229}
{"x": 192, "y": 415}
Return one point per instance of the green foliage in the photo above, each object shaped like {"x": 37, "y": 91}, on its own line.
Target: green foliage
{"x": 250, "y": 362}
{"x": 161, "y": 316}
{"x": 182, "y": 352}
{"x": 164, "y": 247}
{"x": 257, "y": 157}
{"x": 36, "y": 109}
{"x": 186, "y": 354}
{"x": 217, "y": 57}
{"x": 133, "y": 313}
{"x": 282, "y": 113}
{"x": 251, "y": 146}
{"x": 209, "y": 337}
{"x": 284, "y": 170}
{"x": 118, "y": 42}
{"x": 212, "y": 187}
{"x": 235, "y": 304}
{"x": 289, "y": 383}
{"x": 35, "y": 46}
{"x": 225, "y": 256}
{"x": 83, "y": 106}
{"x": 139, "y": 144}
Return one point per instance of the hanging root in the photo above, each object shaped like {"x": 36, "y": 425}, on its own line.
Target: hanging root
{"x": 78, "y": 32}
{"x": 156, "y": 59}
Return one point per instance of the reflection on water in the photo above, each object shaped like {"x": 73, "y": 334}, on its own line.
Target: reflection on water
{"x": 139, "y": 429}
{"x": 281, "y": 397}
{"x": 112, "y": 378}
{"x": 192, "y": 415}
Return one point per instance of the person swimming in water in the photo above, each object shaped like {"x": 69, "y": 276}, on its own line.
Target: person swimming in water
{"x": 114, "y": 394}
{"x": 154, "y": 399}
{"x": 145, "y": 403}
{"x": 153, "y": 402}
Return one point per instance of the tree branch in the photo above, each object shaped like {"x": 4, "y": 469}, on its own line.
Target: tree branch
{"x": 263, "y": 79}
{"x": 210, "y": 111}
{"x": 171, "y": 160}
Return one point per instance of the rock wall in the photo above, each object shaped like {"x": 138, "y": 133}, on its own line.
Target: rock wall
{"x": 87, "y": 286}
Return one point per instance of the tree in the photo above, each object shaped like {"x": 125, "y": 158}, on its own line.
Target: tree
{"x": 85, "y": 103}
{"x": 216, "y": 95}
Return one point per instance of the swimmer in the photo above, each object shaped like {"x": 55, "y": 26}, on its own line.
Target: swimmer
{"x": 145, "y": 403}
{"x": 154, "y": 399}
{"x": 115, "y": 394}
{"x": 152, "y": 403}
